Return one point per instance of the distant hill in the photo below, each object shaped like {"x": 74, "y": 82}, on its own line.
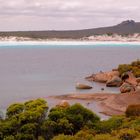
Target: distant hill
{"x": 124, "y": 28}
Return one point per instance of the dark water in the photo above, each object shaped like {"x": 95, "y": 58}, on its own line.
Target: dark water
{"x": 32, "y": 71}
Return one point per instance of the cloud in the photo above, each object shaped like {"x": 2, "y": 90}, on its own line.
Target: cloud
{"x": 64, "y": 14}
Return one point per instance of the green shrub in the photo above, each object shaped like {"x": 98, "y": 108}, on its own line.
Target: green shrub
{"x": 14, "y": 109}
{"x": 83, "y": 136}
{"x": 136, "y": 63}
{"x": 63, "y": 137}
{"x": 9, "y": 138}
{"x": 108, "y": 125}
{"x": 127, "y": 134}
{"x": 124, "y": 68}
{"x": 76, "y": 116}
{"x": 105, "y": 137}
{"x": 135, "y": 123}
{"x": 40, "y": 138}
{"x": 136, "y": 71}
{"x": 22, "y": 136}
{"x": 134, "y": 67}
{"x": 133, "y": 110}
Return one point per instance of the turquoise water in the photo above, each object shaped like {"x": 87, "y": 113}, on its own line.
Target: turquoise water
{"x": 40, "y": 70}
{"x": 66, "y": 44}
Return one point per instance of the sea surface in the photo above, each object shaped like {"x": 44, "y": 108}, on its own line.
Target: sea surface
{"x": 32, "y": 70}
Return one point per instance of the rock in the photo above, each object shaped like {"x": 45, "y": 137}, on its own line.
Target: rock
{"x": 63, "y": 104}
{"x": 138, "y": 80}
{"x": 130, "y": 78}
{"x": 102, "y": 77}
{"x": 102, "y": 89}
{"x": 138, "y": 87}
{"x": 82, "y": 86}
{"x": 137, "y": 90}
{"x": 91, "y": 78}
{"x": 114, "y": 69}
{"x": 126, "y": 87}
{"x": 114, "y": 82}
{"x": 125, "y": 76}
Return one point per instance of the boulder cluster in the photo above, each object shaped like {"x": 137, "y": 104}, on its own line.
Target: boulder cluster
{"x": 126, "y": 82}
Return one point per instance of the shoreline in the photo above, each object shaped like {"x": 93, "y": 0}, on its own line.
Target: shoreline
{"x": 110, "y": 104}
{"x": 77, "y": 43}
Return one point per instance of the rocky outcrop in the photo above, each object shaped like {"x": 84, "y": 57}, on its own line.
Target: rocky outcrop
{"x": 128, "y": 81}
{"x": 126, "y": 87}
{"x": 110, "y": 104}
{"x": 102, "y": 77}
{"x": 83, "y": 86}
{"x": 114, "y": 82}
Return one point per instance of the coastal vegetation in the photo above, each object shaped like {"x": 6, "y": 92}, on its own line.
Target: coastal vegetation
{"x": 44, "y": 36}
{"x": 32, "y": 121}
{"x": 134, "y": 67}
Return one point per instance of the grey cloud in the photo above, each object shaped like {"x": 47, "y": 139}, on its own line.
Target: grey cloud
{"x": 70, "y": 13}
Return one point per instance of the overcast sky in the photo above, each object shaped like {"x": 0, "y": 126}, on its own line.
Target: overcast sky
{"x": 65, "y": 14}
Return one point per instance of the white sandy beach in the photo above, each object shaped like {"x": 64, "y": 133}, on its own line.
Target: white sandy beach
{"x": 73, "y": 42}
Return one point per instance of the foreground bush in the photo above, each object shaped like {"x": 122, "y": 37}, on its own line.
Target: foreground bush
{"x": 30, "y": 121}
{"x": 133, "y": 110}
{"x": 63, "y": 137}
{"x": 68, "y": 120}
{"x": 128, "y": 134}
{"x": 23, "y": 121}
{"x": 105, "y": 137}
{"x": 108, "y": 125}
{"x": 85, "y": 136}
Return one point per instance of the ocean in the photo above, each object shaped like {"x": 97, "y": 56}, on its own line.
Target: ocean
{"x": 33, "y": 70}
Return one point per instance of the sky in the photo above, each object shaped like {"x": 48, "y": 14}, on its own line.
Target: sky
{"x": 17, "y": 15}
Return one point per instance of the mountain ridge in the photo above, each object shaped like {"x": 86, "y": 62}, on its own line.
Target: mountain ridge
{"x": 124, "y": 28}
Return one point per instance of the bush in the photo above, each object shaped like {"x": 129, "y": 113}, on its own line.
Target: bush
{"x": 133, "y": 110}
{"x": 30, "y": 121}
{"x": 136, "y": 63}
{"x": 14, "y": 109}
{"x": 105, "y": 137}
{"x": 85, "y": 135}
{"x": 134, "y": 67}
{"x": 127, "y": 134}
{"x": 9, "y": 138}
{"x": 1, "y": 115}
{"x": 63, "y": 137}
{"x": 124, "y": 68}
{"x": 109, "y": 125}
{"x": 75, "y": 115}
{"x": 40, "y": 138}
{"x": 22, "y": 136}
